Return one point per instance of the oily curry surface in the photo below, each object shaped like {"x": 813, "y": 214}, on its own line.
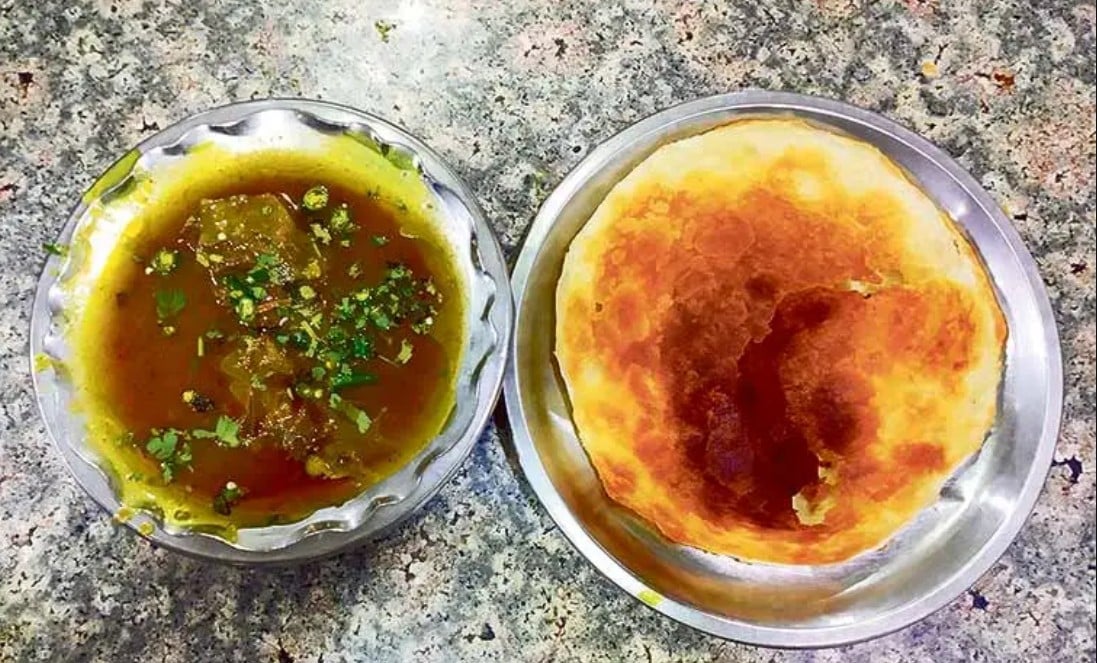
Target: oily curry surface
{"x": 775, "y": 345}
{"x": 273, "y": 348}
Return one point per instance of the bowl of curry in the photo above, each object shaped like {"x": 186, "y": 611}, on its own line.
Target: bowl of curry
{"x": 270, "y": 331}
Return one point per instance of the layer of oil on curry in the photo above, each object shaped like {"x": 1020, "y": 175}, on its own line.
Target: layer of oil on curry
{"x": 275, "y": 349}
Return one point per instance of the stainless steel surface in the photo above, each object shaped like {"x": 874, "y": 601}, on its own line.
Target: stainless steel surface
{"x": 932, "y": 560}
{"x": 285, "y": 124}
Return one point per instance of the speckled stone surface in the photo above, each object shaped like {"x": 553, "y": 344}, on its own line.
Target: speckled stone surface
{"x": 513, "y": 94}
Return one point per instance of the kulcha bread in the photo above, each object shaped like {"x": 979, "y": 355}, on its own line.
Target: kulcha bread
{"x": 775, "y": 345}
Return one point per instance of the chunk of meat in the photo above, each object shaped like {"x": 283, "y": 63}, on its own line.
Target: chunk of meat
{"x": 233, "y": 232}
{"x": 253, "y": 249}
{"x": 261, "y": 378}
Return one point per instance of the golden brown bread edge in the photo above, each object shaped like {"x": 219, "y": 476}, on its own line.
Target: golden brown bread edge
{"x": 775, "y": 345}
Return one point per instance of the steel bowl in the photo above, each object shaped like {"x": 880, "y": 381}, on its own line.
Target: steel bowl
{"x": 929, "y": 562}
{"x": 289, "y": 125}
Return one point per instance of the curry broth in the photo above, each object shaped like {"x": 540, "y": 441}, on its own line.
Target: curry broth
{"x": 144, "y": 371}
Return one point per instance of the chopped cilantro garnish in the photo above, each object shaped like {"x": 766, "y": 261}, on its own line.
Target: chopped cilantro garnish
{"x": 316, "y": 198}
{"x": 169, "y": 303}
{"x": 266, "y": 261}
{"x": 321, "y": 233}
{"x": 312, "y": 270}
{"x": 383, "y": 29}
{"x": 226, "y": 432}
{"x": 350, "y": 378}
{"x": 163, "y": 262}
{"x": 362, "y": 421}
{"x": 380, "y": 240}
{"x": 340, "y": 220}
{"x": 344, "y": 310}
{"x": 55, "y": 249}
{"x": 165, "y": 446}
{"x": 404, "y": 355}
{"x": 397, "y": 271}
{"x": 380, "y": 319}
{"x": 227, "y": 497}
{"x": 361, "y": 347}
{"x": 245, "y": 309}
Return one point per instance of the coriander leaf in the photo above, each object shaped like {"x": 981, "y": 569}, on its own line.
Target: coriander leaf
{"x": 316, "y": 198}
{"x": 362, "y": 421}
{"x": 360, "y": 418}
{"x": 163, "y": 263}
{"x": 183, "y": 456}
{"x": 397, "y": 271}
{"x": 405, "y": 352}
{"x": 340, "y": 220}
{"x": 266, "y": 261}
{"x": 54, "y": 249}
{"x": 169, "y": 303}
{"x": 361, "y": 347}
{"x": 245, "y": 309}
{"x": 227, "y": 430}
{"x": 312, "y": 270}
{"x": 166, "y": 448}
{"x": 351, "y": 378}
{"x": 321, "y": 233}
{"x": 380, "y": 319}
{"x": 423, "y": 326}
{"x": 380, "y": 240}
{"x": 383, "y": 29}
{"x": 227, "y": 497}
{"x": 162, "y": 447}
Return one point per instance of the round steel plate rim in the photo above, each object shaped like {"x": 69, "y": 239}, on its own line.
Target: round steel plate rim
{"x": 535, "y": 472}
{"x": 490, "y": 252}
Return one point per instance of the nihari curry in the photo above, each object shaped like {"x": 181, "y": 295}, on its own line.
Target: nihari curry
{"x": 276, "y": 347}
{"x": 775, "y": 345}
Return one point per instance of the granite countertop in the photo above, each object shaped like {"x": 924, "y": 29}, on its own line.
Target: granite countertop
{"x": 513, "y": 94}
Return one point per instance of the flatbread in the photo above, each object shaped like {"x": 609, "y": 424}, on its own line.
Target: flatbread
{"x": 775, "y": 345}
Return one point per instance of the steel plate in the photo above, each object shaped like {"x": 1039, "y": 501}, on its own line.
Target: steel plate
{"x": 926, "y": 565}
